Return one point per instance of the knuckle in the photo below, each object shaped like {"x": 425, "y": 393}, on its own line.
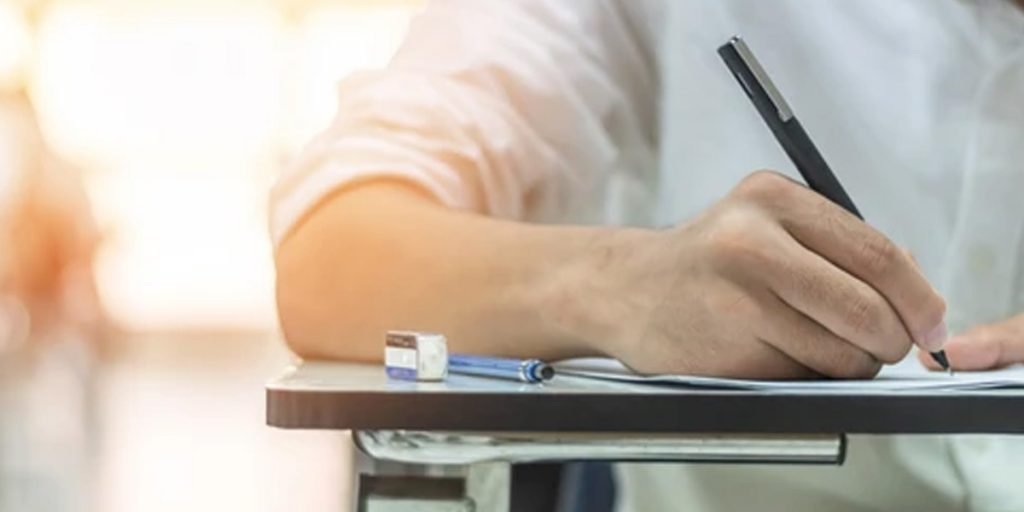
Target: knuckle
{"x": 879, "y": 256}
{"x": 763, "y": 186}
{"x": 814, "y": 286}
{"x": 863, "y": 316}
{"x": 735, "y": 240}
{"x": 829, "y": 216}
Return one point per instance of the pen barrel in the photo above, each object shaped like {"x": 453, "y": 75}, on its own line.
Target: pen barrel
{"x": 528, "y": 370}
{"x": 776, "y": 113}
{"x": 811, "y": 165}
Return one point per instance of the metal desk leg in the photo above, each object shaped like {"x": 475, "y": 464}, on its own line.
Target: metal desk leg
{"x": 384, "y": 486}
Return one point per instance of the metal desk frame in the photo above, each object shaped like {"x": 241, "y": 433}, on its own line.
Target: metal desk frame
{"x": 450, "y": 446}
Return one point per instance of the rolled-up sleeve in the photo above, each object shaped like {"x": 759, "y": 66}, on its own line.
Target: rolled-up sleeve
{"x": 516, "y": 109}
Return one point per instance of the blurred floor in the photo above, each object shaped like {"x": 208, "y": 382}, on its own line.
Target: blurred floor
{"x": 181, "y": 423}
{"x": 45, "y": 425}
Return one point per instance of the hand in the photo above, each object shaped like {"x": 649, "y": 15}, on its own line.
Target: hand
{"x": 773, "y": 281}
{"x": 985, "y": 347}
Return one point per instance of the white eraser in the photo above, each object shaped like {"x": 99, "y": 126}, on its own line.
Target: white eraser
{"x": 416, "y": 356}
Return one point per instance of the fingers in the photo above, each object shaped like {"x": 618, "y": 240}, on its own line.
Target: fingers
{"x": 984, "y": 348}
{"x": 814, "y": 346}
{"x": 841, "y": 304}
{"x": 861, "y": 251}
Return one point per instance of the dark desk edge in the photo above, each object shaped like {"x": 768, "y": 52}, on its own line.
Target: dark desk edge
{"x": 725, "y": 412}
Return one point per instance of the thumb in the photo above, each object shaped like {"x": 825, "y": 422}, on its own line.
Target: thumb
{"x": 984, "y": 348}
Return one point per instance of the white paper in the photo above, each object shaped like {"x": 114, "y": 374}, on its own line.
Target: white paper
{"x": 908, "y": 376}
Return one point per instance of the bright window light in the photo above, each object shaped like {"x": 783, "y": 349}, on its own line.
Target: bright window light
{"x": 15, "y": 47}
{"x": 182, "y": 115}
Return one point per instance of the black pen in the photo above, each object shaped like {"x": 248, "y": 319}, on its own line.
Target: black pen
{"x": 790, "y": 134}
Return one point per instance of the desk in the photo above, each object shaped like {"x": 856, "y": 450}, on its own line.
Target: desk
{"x": 451, "y": 443}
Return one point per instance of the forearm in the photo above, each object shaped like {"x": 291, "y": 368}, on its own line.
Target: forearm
{"x": 383, "y": 257}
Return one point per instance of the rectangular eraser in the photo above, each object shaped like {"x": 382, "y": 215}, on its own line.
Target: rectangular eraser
{"x": 417, "y": 356}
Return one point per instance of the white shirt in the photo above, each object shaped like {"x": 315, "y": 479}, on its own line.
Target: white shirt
{"x": 620, "y": 112}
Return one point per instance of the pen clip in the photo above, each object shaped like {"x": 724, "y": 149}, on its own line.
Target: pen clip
{"x": 781, "y": 107}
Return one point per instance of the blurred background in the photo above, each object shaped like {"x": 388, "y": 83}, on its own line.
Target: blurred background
{"x": 138, "y": 142}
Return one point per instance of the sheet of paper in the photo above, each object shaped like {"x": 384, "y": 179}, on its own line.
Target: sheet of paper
{"x": 907, "y": 376}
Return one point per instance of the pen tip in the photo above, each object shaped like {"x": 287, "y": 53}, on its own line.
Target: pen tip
{"x": 940, "y": 358}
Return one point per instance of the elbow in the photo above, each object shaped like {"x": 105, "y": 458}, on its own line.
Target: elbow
{"x": 308, "y": 323}
{"x": 296, "y": 322}
{"x": 329, "y": 301}
{"x": 296, "y": 338}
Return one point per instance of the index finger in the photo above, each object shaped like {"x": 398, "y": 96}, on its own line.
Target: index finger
{"x": 849, "y": 243}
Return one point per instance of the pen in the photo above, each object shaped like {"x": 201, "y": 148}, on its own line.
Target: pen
{"x": 790, "y": 134}
{"x": 523, "y": 370}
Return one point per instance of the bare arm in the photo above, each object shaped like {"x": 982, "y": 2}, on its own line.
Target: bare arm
{"x": 516, "y": 110}
{"x": 384, "y": 256}
{"x": 773, "y": 281}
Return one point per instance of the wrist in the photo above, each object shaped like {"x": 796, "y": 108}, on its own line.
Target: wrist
{"x": 586, "y": 298}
